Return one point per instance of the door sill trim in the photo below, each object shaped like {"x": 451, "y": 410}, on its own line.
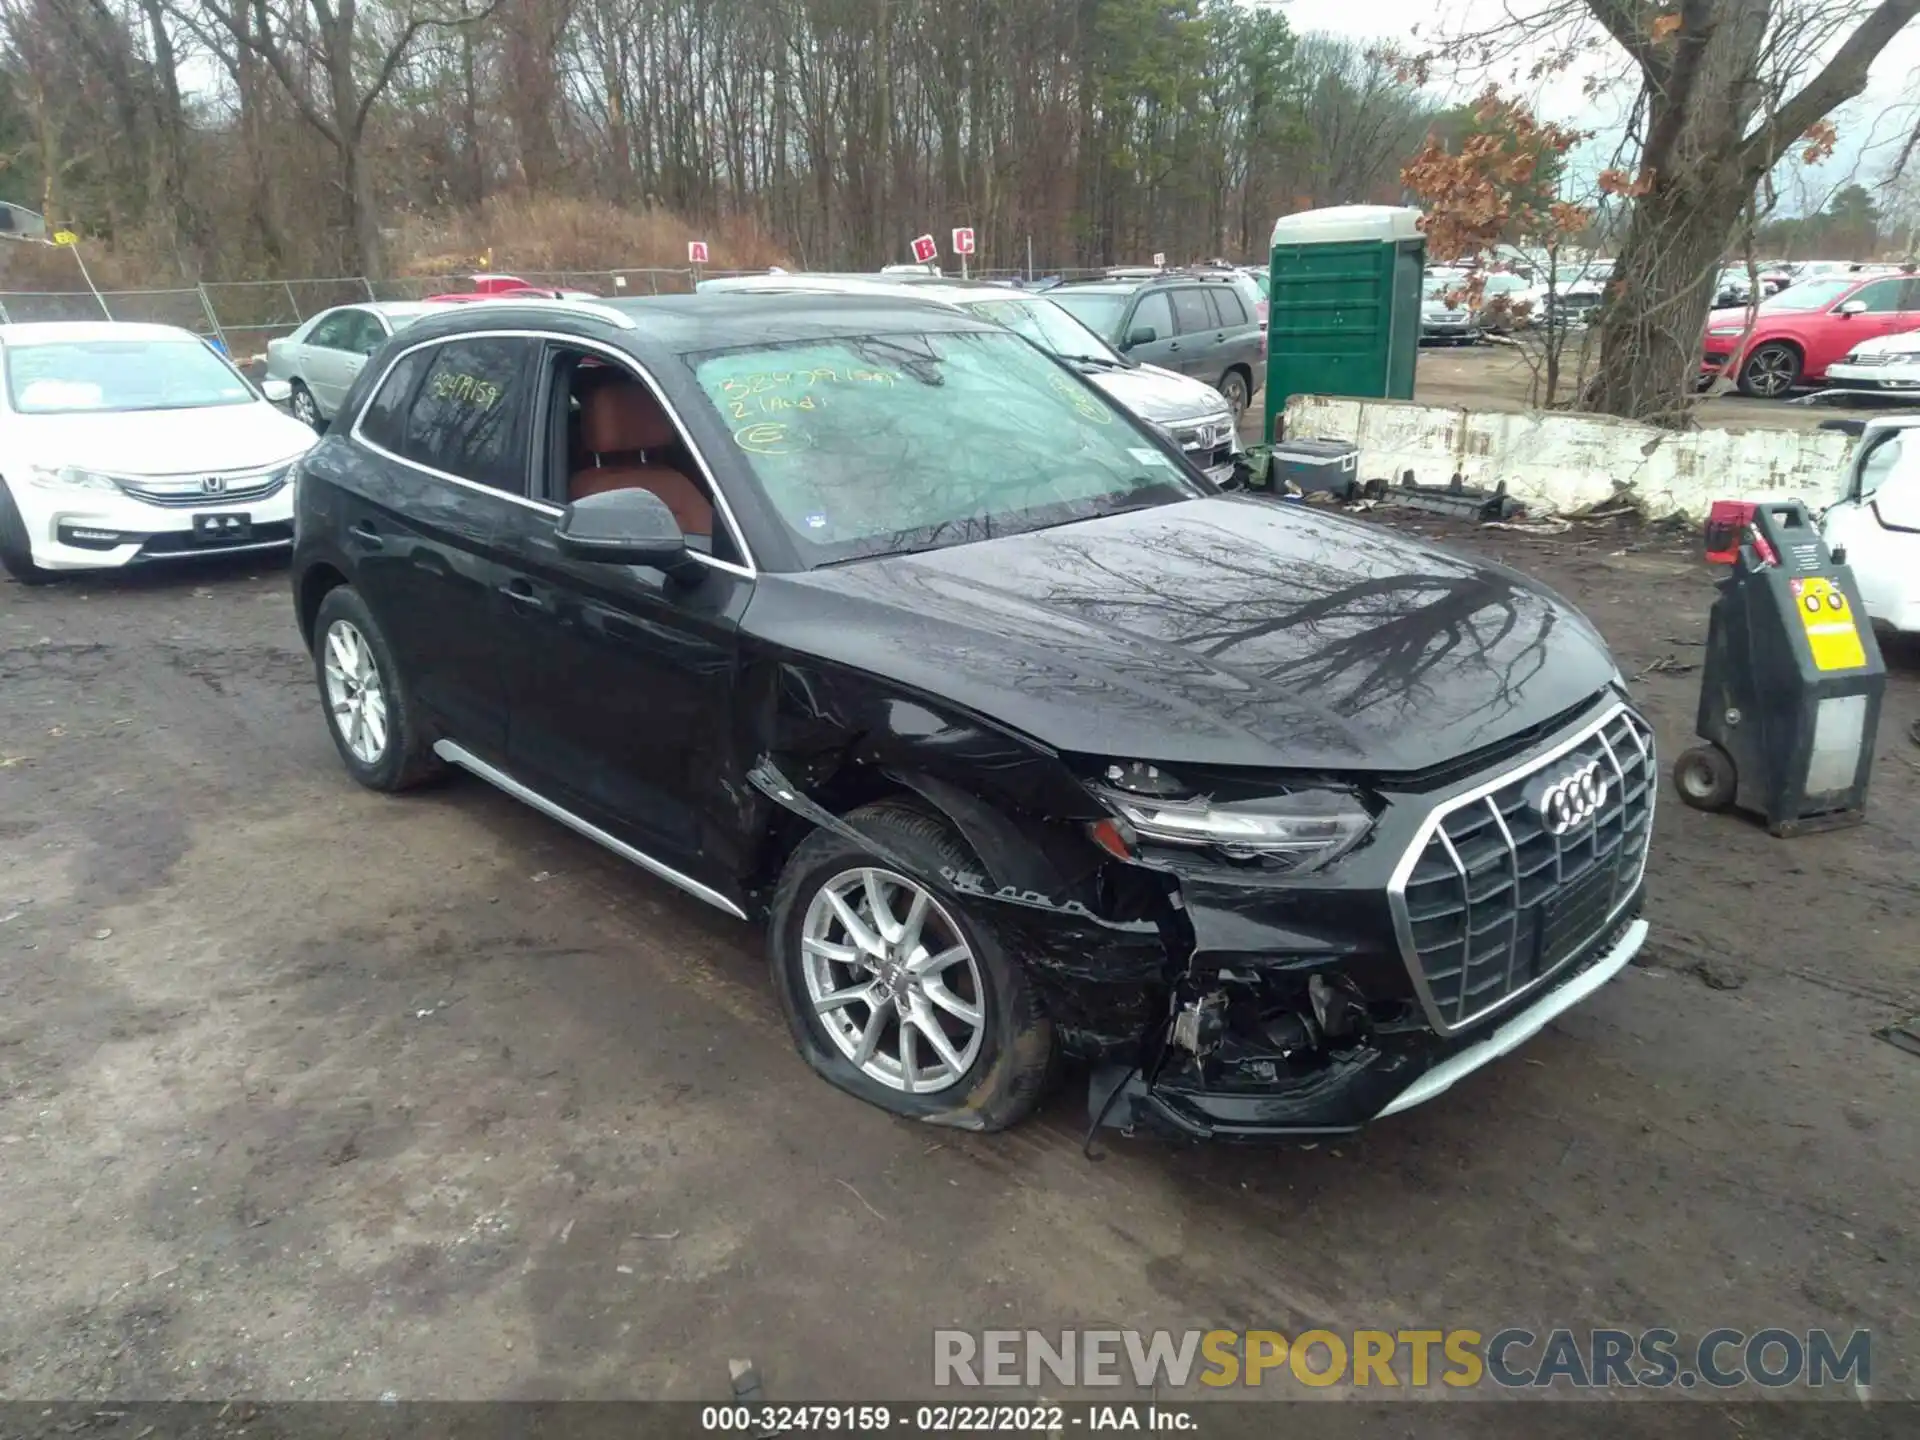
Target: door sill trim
{"x": 459, "y": 755}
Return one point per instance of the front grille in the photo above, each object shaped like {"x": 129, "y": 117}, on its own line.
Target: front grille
{"x": 189, "y": 492}
{"x": 1493, "y": 903}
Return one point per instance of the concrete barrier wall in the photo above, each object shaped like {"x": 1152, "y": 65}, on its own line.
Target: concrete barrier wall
{"x": 1561, "y": 462}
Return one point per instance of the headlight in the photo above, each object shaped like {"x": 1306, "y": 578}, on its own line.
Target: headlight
{"x": 68, "y": 477}
{"x": 1305, "y": 829}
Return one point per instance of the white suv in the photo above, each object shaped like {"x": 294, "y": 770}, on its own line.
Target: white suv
{"x": 127, "y": 444}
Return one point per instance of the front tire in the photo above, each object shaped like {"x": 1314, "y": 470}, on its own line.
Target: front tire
{"x": 1770, "y": 372}
{"x": 16, "y": 550}
{"x": 896, "y": 992}
{"x": 370, "y": 713}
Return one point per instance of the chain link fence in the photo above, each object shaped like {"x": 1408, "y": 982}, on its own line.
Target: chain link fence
{"x": 241, "y": 316}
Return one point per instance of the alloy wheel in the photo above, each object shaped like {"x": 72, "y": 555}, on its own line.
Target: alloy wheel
{"x": 893, "y": 981}
{"x": 1770, "y": 371}
{"x": 304, "y": 410}
{"x": 355, "y": 698}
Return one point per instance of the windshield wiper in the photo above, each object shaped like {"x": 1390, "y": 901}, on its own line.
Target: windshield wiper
{"x": 1102, "y": 361}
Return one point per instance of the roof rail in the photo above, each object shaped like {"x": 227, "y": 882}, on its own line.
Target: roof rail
{"x": 591, "y": 309}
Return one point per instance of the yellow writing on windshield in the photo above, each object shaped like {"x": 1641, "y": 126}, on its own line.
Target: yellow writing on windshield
{"x": 769, "y": 405}
{"x": 466, "y": 389}
{"x": 768, "y": 381}
{"x": 1077, "y": 396}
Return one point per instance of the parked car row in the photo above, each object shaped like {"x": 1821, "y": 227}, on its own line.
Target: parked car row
{"x": 1795, "y": 336}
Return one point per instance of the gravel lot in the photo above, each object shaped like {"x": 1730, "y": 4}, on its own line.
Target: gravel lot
{"x": 306, "y": 1092}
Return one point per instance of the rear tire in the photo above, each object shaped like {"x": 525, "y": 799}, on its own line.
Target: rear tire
{"x": 370, "y": 712}
{"x": 304, "y": 408}
{"x": 1010, "y": 1061}
{"x": 1238, "y": 395}
{"x": 16, "y": 550}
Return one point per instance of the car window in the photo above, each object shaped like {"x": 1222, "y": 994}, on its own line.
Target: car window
{"x": 466, "y": 418}
{"x": 1883, "y": 460}
{"x": 335, "y": 331}
{"x": 1098, "y": 310}
{"x": 879, "y": 444}
{"x": 1891, "y": 479}
{"x": 1880, "y": 298}
{"x": 70, "y": 376}
{"x": 1154, "y": 313}
{"x": 1226, "y": 304}
{"x": 1910, "y": 296}
{"x": 1191, "y": 311}
{"x": 384, "y": 420}
{"x": 368, "y": 333}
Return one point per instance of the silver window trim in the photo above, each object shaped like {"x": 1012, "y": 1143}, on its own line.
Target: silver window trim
{"x": 1476, "y": 791}
{"x": 748, "y": 570}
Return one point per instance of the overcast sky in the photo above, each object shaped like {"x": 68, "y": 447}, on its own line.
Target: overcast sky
{"x": 1871, "y": 127}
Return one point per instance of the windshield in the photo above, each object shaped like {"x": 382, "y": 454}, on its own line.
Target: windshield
{"x": 1048, "y": 326}
{"x": 1098, "y": 310}
{"x": 881, "y": 444}
{"x": 64, "y": 377}
{"x": 1811, "y": 295}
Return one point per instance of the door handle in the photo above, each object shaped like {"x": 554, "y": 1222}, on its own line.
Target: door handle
{"x": 521, "y": 592}
{"x": 364, "y": 532}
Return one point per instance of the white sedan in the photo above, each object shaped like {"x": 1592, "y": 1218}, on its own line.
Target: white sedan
{"x": 132, "y": 444}
{"x": 321, "y": 360}
{"x": 1887, "y": 365}
{"x": 1877, "y": 521}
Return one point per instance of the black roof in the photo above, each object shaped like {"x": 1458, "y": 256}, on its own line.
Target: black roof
{"x": 687, "y": 324}
{"x": 720, "y": 320}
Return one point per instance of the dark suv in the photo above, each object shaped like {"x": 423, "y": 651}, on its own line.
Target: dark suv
{"x": 1201, "y": 323}
{"x": 871, "y": 620}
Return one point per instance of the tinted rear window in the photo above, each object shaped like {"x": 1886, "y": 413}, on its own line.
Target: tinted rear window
{"x": 466, "y": 416}
{"x": 1226, "y": 300}
{"x": 1191, "y": 310}
{"x": 384, "y": 420}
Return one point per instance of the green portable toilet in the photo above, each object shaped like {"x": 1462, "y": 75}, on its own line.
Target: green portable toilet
{"x": 1343, "y": 308}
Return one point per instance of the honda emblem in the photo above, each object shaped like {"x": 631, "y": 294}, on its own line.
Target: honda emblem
{"x": 213, "y": 484}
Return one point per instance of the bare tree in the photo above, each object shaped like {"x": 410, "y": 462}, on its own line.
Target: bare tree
{"x": 315, "y": 52}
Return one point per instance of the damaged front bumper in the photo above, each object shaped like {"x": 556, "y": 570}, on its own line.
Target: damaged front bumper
{"x": 1344, "y": 1090}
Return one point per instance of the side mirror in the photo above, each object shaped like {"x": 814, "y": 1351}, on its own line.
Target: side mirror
{"x": 1141, "y": 335}
{"x": 277, "y": 391}
{"x": 625, "y": 527}
{"x": 1852, "y": 308}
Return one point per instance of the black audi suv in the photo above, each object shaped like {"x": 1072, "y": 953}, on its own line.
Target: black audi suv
{"x": 870, "y": 621}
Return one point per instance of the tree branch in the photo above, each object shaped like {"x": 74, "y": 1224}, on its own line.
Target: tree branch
{"x": 1843, "y": 77}
{"x": 1620, "y": 19}
{"x": 391, "y": 63}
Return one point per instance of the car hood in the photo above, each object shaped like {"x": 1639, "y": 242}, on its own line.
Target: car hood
{"x": 1898, "y": 343}
{"x": 1227, "y": 631}
{"x": 165, "y": 442}
{"x": 1156, "y": 394}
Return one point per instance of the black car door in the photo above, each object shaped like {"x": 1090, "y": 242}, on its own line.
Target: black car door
{"x": 620, "y": 682}
{"x": 448, "y": 432}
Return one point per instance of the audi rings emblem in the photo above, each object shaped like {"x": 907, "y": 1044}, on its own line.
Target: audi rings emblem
{"x": 1573, "y": 799}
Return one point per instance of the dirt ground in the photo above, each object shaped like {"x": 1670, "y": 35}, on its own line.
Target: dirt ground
{"x": 1499, "y": 377}
{"x": 311, "y": 1093}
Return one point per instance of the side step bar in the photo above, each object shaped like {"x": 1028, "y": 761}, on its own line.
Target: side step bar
{"x": 458, "y": 755}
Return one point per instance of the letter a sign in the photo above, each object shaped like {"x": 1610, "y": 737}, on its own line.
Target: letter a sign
{"x": 924, "y": 249}
{"x": 696, "y": 252}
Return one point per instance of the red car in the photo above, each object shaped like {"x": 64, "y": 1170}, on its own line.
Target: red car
{"x": 1803, "y": 329}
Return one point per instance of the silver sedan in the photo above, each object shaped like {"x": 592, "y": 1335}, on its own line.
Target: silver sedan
{"x": 321, "y": 359}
